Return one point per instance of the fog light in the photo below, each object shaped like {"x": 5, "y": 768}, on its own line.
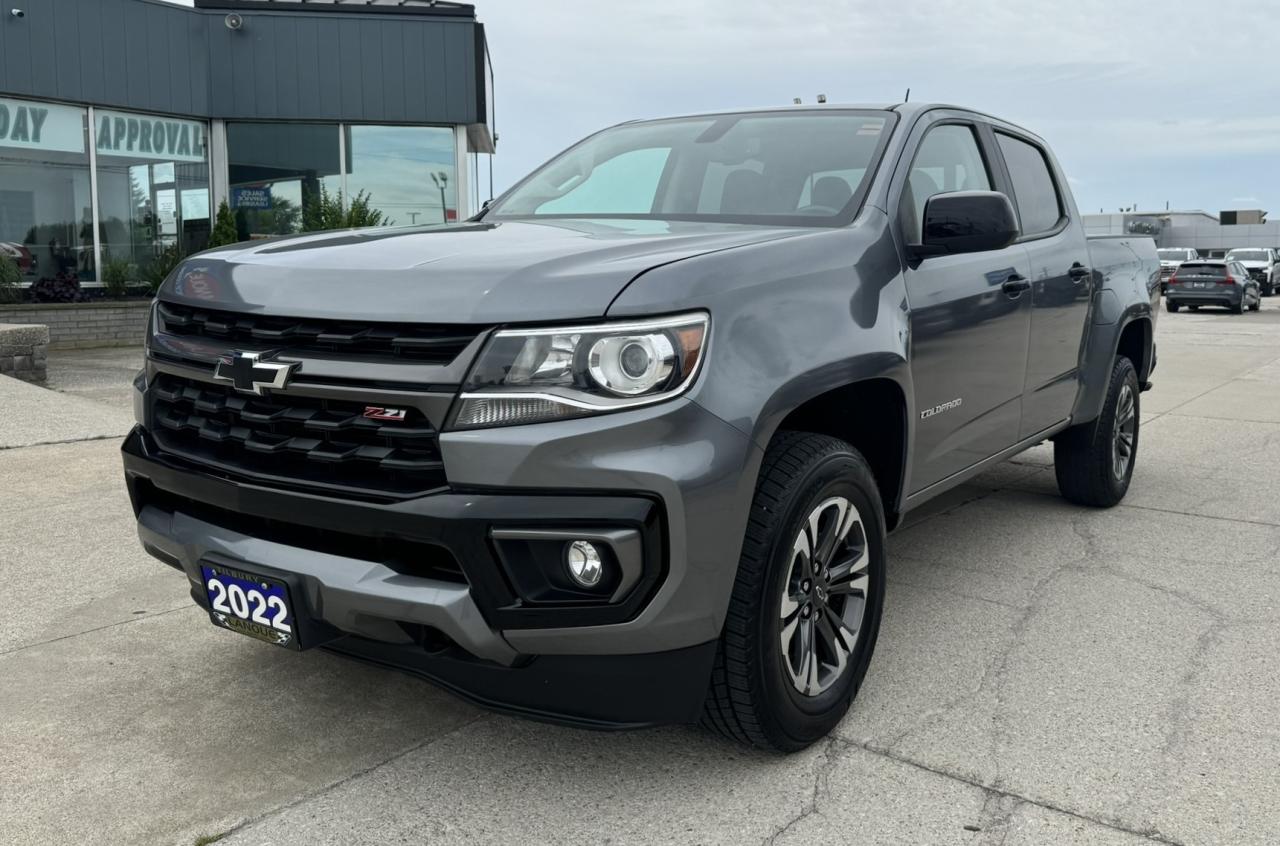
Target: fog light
{"x": 585, "y": 565}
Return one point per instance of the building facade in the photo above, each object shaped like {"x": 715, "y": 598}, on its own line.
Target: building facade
{"x": 125, "y": 123}
{"x": 1213, "y": 236}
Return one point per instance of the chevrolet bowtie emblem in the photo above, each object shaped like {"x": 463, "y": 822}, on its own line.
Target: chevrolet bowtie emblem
{"x": 253, "y": 372}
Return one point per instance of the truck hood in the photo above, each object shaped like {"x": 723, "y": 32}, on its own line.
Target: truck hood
{"x": 1253, "y": 265}
{"x": 465, "y": 273}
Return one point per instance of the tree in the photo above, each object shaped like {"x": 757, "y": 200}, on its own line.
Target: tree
{"x": 224, "y": 228}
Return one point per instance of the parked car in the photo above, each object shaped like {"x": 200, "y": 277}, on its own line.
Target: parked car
{"x": 1170, "y": 258}
{"x": 1262, "y": 264}
{"x": 1219, "y": 283}
{"x": 26, "y": 261}
{"x": 623, "y": 449}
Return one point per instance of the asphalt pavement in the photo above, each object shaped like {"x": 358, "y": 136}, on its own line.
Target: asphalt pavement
{"x": 1045, "y": 673}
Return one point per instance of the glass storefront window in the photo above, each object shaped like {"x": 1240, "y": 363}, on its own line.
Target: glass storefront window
{"x": 407, "y": 172}
{"x": 276, "y": 173}
{"x": 153, "y": 188}
{"x": 46, "y": 212}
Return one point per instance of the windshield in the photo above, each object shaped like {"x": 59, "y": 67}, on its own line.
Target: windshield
{"x": 792, "y": 168}
{"x": 1172, "y": 255}
{"x": 1247, "y": 255}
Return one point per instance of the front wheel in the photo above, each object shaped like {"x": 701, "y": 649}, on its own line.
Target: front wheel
{"x": 1094, "y": 461}
{"x": 805, "y": 610}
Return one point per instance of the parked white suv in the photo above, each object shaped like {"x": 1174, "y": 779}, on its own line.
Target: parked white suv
{"x": 1170, "y": 258}
{"x": 1261, "y": 263}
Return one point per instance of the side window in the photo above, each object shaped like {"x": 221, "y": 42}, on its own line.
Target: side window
{"x": 948, "y": 160}
{"x": 1039, "y": 205}
{"x": 624, "y": 184}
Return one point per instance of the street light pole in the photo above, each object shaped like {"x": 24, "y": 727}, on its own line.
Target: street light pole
{"x": 441, "y": 179}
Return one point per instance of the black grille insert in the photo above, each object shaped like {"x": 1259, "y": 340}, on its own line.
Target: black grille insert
{"x": 437, "y": 344}
{"x": 296, "y": 441}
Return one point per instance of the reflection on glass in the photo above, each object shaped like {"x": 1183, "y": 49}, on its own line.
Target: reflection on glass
{"x": 46, "y": 213}
{"x": 278, "y": 173}
{"x": 407, "y": 172}
{"x": 153, "y": 190}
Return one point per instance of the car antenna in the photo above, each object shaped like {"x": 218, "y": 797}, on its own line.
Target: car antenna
{"x": 907, "y": 99}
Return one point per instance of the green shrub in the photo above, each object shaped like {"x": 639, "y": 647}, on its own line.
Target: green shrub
{"x": 224, "y": 229}
{"x": 163, "y": 264}
{"x": 323, "y": 211}
{"x": 10, "y": 280}
{"x": 116, "y": 273}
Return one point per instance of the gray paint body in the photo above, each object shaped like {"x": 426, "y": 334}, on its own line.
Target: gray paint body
{"x": 796, "y": 313}
{"x": 151, "y": 56}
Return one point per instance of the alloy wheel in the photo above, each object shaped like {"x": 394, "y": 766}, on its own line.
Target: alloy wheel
{"x": 1126, "y": 433}
{"x": 825, "y": 596}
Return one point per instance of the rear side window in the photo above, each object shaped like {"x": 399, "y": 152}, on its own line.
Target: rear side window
{"x": 948, "y": 160}
{"x": 1039, "y": 206}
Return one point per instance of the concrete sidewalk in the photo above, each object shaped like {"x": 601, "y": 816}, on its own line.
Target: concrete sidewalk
{"x": 30, "y": 415}
{"x": 1045, "y": 674}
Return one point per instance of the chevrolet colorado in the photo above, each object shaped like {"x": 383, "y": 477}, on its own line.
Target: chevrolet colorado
{"x": 623, "y": 449}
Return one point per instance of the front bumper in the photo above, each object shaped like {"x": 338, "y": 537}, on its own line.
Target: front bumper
{"x": 677, "y": 477}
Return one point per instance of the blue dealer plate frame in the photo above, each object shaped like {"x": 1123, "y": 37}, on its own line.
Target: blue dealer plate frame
{"x": 250, "y": 604}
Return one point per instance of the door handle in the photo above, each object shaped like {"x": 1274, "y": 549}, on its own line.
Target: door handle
{"x": 1015, "y": 285}
{"x": 1078, "y": 271}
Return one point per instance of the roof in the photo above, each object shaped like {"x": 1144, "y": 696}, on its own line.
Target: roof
{"x": 395, "y": 7}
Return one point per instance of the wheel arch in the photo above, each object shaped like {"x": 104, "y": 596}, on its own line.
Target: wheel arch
{"x": 881, "y": 437}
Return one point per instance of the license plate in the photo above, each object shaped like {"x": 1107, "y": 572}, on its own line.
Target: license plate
{"x": 1200, "y": 284}
{"x": 250, "y": 604}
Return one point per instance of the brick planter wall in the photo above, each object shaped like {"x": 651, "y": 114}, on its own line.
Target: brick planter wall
{"x": 24, "y": 351}
{"x": 75, "y": 325}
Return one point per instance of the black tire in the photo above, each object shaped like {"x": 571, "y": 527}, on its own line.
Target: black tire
{"x": 1171, "y": 306}
{"x": 1268, "y": 290}
{"x": 752, "y": 698}
{"x": 1085, "y": 456}
{"x": 1257, "y": 304}
{"x": 1194, "y": 307}
{"x": 1242, "y": 306}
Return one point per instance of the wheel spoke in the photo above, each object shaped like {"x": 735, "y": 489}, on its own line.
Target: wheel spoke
{"x": 827, "y": 534}
{"x": 834, "y": 643}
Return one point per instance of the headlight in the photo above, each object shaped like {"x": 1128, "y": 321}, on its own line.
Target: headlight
{"x": 532, "y": 375}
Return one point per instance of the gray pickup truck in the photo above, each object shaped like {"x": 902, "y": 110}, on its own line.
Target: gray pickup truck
{"x": 623, "y": 450}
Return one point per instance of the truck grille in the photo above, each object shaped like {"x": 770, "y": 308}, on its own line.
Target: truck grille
{"x": 1258, "y": 274}
{"x": 436, "y": 344}
{"x": 296, "y": 441}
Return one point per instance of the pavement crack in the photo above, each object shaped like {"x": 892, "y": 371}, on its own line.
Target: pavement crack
{"x": 823, "y": 765}
{"x": 4, "y": 447}
{"x": 349, "y": 777}
{"x": 1013, "y": 799}
{"x": 137, "y": 618}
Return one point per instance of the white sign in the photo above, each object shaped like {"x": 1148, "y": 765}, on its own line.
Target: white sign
{"x": 137, "y": 136}
{"x": 29, "y": 125}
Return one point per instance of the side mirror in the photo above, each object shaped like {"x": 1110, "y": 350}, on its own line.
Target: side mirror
{"x": 967, "y": 222}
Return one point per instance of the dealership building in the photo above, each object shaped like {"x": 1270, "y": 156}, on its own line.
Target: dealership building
{"x": 125, "y": 123}
{"x": 1211, "y": 235}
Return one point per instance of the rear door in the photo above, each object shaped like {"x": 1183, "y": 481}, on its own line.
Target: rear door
{"x": 1061, "y": 282}
{"x": 968, "y": 336}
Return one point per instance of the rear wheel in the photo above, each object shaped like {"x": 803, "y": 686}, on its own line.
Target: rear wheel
{"x": 1239, "y": 308}
{"x": 1193, "y": 307}
{"x": 806, "y": 604}
{"x": 1094, "y": 461}
{"x": 1170, "y": 305}
{"x": 1257, "y": 304}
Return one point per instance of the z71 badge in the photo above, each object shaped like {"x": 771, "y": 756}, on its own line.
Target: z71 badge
{"x": 374, "y": 412}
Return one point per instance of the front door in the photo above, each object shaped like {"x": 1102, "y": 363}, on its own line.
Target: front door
{"x": 968, "y": 333}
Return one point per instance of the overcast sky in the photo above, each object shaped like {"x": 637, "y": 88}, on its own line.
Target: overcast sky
{"x": 1145, "y": 102}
